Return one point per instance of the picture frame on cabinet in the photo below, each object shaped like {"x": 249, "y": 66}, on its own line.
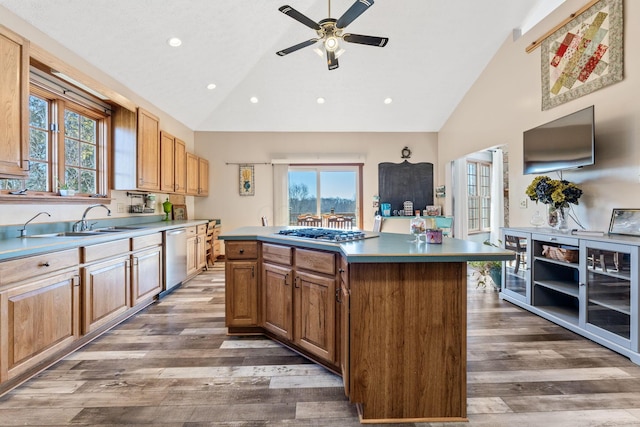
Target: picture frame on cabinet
{"x": 179, "y": 212}
{"x": 625, "y": 221}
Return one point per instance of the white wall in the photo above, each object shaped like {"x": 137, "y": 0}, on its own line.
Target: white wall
{"x": 506, "y": 100}
{"x": 19, "y": 213}
{"x": 224, "y": 201}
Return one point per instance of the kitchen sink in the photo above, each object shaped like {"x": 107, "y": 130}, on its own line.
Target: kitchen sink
{"x": 69, "y": 234}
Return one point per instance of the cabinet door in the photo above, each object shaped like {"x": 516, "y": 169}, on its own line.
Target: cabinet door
{"x": 343, "y": 341}
{"x": 106, "y": 292}
{"x": 516, "y": 274}
{"x": 241, "y": 295}
{"x": 148, "y": 156}
{"x": 192, "y": 174}
{"x": 14, "y": 98}
{"x": 192, "y": 255}
{"x": 146, "y": 280}
{"x": 315, "y": 318}
{"x": 277, "y": 300}
{"x": 610, "y": 271}
{"x": 37, "y": 320}
{"x": 203, "y": 177}
{"x": 180, "y": 167}
{"x": 167, "y": 159}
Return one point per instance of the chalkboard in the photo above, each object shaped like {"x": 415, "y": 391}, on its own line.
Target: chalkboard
{"x": 399, "y": 182}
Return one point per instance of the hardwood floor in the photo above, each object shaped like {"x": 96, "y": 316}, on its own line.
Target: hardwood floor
{"x": 173, "y": 365}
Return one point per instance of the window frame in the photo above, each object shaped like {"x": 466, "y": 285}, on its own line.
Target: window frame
{"x": 482, "y": 198}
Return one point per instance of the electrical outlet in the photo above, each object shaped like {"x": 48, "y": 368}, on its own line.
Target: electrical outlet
{"x": 120, "y": 207}
{"x": 523, "y": 203}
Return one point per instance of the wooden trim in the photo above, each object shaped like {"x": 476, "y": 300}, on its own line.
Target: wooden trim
{"x": 531, "y": 47}
{"x": 49, "y": 60}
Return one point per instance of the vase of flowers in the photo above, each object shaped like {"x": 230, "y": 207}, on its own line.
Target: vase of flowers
{"x": 558, "y": 194}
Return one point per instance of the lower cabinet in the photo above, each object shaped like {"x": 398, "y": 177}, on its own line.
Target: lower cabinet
{"x": 38, "y": 319}
{"x": 299, "y": 298}
{"x": 106, "y": 290}
{"x": 146, "y": 268}
{"x": 343, "y": 322}
{"x": 196, "y": 249}
{"x": 241, "y": 275}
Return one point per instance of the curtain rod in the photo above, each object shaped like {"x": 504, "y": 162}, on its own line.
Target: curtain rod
{"x": 247, "y": 163}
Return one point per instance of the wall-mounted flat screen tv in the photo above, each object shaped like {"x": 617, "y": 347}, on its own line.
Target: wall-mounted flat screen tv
{"x": 565, "y": 143}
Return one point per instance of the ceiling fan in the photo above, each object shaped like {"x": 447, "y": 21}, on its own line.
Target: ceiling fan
{"x": 330, "y": 31}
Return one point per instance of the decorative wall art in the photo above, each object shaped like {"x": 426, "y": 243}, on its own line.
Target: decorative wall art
{"x": 247, "y": 185}
{"x": 584, "y": 55}
{"x": 179, "y": 212}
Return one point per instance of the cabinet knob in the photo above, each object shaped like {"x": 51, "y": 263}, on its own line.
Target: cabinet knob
{"x": 241, "y": 251}
{"x": 340, "y": 270}
{"x": 45, "y": 264}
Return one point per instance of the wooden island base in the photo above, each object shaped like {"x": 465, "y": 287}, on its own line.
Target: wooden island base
{"x": 408, "y": 341}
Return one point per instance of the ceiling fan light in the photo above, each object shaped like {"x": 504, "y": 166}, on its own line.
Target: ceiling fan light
{"x": 319, "y": 52}
{"x": 331, "y": 44}
{"x": 339, "y": 53}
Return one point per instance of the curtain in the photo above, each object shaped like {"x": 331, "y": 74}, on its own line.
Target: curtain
{"x": 497, "y": 199}
{"x": 281, "y": 194}
{"x": 460, "y": 205}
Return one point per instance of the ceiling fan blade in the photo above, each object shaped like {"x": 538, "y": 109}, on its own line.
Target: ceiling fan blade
{"x": 368, "y": 40}
{"x": 332, "y": 61}
{"x": 353, "y": 12}
{"x": 299, "y": 46}
{"x": 288, "y": 10}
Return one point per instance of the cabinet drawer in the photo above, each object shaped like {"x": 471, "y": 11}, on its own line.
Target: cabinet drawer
{"x": 103, "y": 250}
{"x": 191, "y": 231}
{"x": 555, "y": 239}
{"x": 37, "y": 265}
{"x": 321, "y": 262}
{"x": 277, "y": 253}
{"x": 201, "y": 229}
{"x": 149, "y": 240}
{"x": 241, "y": 250}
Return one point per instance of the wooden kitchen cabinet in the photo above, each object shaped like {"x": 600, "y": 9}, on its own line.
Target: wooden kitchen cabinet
{"x": 203, "y": 177}
{"x": 148, "y": 151}
{"x": 167, "y": 162}
{"x": 14, "y": 102}
{"x": 342, "y": 340}
{"x": 192, "y": 175}
{"x": 197, "y": 175}
{"x": 241, "y": 292}
{"x": 106, "y": 283}
{"x": 196, "y": 249}
{"x": 298, "y": 298}
{"x": 146, "y": 268}
{"x": 39, "y": 310}
{"x": 180, "y": 166}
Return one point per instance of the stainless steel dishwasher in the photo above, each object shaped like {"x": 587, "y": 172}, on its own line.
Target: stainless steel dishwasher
{"x": 175, "y": 257}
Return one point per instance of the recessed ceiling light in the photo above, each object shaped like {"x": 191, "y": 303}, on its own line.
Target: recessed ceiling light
{"x": 254, "y": 100}
{"x": 211, "y": 86}
{"x": 388, "y": 100}
{"x": 174, "y": 42}
{"x": 320, "y": 100}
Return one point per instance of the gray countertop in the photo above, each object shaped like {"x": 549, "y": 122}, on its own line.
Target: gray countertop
{"x": 23, "y": 246}
{"x": 381, "y": 247}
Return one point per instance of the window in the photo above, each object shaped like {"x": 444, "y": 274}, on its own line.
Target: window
{"x": 67, "y": 146}
{"x": 324, "y": 190}
{"x": 479, "y": 196}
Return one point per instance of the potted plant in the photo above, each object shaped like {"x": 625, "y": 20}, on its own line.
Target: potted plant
{"x": 558, "y": 194}
{"x": 486, "y": 273}
{"x": 64, "y": 190}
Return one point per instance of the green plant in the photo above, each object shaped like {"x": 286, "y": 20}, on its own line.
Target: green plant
{"x": 486, "y": 272}
{"x": 62, "y": 186}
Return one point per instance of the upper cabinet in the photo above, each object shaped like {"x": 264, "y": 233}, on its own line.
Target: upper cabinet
{"x": 148, "y": 158}
{"x": 14, "y": 98}
{"x": 180, "y": 166}
{"x": 167, "y": 159}
{"x": 197, "y": 175}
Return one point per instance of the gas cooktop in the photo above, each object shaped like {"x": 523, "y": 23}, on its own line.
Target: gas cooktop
{"x": 327, "y": 234}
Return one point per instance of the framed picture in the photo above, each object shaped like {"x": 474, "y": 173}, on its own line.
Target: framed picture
{"x": 625, "y": 221}
{"x": 247, "y": 185}
{"x": 584, "y": 55}
{"x": 434, "y": 210}
{"x": 179, "y": 212}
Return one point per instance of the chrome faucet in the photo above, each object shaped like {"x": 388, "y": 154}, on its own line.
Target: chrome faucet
{"x": 82, "y": 224}
{"x": 23, "y": 231}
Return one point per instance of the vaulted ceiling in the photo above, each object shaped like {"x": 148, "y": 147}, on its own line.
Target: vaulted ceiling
{"x": 436, "y": 50}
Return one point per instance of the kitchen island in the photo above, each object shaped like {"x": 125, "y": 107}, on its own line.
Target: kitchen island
{"x": 387, "y": 314}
